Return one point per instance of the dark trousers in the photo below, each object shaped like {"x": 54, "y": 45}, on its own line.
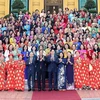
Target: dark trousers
{"x": 51, "y": 74}
{"x": 31, "y": 74}
{"x": 41, "y": 75}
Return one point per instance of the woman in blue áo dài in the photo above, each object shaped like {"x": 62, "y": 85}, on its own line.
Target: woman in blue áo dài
{"x": 62, "y": 72}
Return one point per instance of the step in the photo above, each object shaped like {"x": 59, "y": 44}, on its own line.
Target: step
{"x": 46, "y": 85}
{"x": 36, "y": 85}
{"x": 90, "y": 99}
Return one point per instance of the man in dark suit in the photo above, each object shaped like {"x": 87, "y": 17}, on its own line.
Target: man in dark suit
{"x": 52, "y": 69}
{"x": 31, "y": 62}
{"x": 41, "y": 70}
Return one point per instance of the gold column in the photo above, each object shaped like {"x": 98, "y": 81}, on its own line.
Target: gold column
{"x": 4, "y": 7}
{"x": 64, "y": 4}
{"x": 41, "y": 4}
{"x": 30, "y": 6}
{"x": 98, "y": 2}
{"x": 71, "y": 4}
{"x": 7, "y": 6}
{"x": 76, "y": 4}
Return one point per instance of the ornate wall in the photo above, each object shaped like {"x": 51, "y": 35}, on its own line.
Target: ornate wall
{"x": 98, "y": 6}
{"x": 38, "y": 4}
{"x": 71, "y": 4}
{"x": 4, "y": 7}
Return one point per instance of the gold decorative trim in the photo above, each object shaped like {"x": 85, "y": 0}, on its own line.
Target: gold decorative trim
{"x": 71, "y": 3}
{"x": 2, "y": 3}
{"x": 2, "y": 12}
{"x": 36, "y": 4}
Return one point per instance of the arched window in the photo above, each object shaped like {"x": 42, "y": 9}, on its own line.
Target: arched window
{"x": 25, "y": 2}
{"x": 82, "y": 4}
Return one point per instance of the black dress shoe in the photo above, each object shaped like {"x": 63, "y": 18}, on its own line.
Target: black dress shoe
{"x": 6, "y": 90}
{"x": 55, "y": 89}
{"x": 39, "y": 89}
{"x": 33, "y": 89}
{"x": 43, "y": 89}
{"x": 50, "y": 89}
{"x": 29, "y": 89}
{"x": 19, "y": 90}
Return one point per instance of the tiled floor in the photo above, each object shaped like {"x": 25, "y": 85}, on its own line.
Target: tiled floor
{"x": 89, "y": 93}
{"x": 13, "y": 95}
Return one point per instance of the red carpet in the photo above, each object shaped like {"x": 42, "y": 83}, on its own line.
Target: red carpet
{"x": 59, "y": 95}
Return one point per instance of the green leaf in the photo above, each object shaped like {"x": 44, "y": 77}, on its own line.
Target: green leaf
{"x": 18, "y": 4}
{"x": 90, "y": 4}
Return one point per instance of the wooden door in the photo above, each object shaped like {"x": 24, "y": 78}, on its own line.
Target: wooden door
{"x": 53, "y": 5}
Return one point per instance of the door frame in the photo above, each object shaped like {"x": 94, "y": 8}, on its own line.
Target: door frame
{"x": 52, "y": 5}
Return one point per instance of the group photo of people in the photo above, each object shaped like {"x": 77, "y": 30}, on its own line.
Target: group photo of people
{"x": 61, "y": 48}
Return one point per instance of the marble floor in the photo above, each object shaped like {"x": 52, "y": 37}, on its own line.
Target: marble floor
{"x": 13, "y": 95}
{"x": 89, "y": 93}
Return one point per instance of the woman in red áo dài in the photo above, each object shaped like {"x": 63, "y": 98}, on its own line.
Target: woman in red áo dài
{"x": 2, "y": 72}
{"x": 85, "y": 71}
{"x": 10, "y": 68}
{"x": 77, "y": 71}
{"x": 99, "y": 69}
{"x": 93, "y": 67}
{"x": 19, "y": 74}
